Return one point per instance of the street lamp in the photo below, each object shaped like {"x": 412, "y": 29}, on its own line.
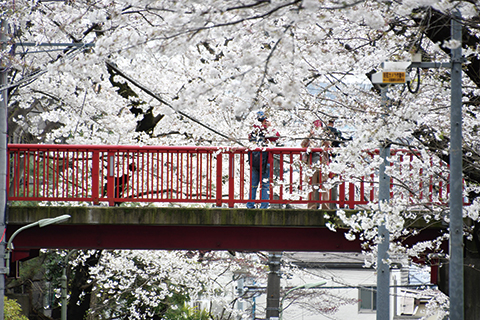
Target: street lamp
{"x": 40, "y": 223}
{"x": 64, "y": 285}
{"x": 302, "y": 286}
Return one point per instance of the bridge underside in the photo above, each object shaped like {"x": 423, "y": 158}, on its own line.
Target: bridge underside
{"x": 239, "y": 238}
{"x": 181, "y": 229}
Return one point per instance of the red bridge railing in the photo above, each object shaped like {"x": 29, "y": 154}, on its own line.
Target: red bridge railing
{"x": 206, "y": 175}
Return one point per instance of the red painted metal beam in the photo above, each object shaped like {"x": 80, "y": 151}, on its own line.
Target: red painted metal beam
{"x": 237, "y": 238}
{"x": 184, "y": 237}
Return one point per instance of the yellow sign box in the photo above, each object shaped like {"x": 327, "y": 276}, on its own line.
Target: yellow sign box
{"x": 394, "y": 77}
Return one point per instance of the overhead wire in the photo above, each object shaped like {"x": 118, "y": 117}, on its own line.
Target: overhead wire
{"x": 152, "y": 94}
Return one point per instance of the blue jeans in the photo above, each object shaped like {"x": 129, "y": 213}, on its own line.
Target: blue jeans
{"x": 265, "y": 186}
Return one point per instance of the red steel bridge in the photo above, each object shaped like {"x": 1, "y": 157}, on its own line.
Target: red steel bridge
{"x": 213, "y": 182}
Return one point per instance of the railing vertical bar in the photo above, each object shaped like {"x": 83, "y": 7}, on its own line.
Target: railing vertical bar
{"x": 51, "y": 171}
{"x": 282, "y": 176}
{"x": 85, "y": 174}
{"x": 205, "y": 165}
{"x": 76, "y": 169}
{"x": 186, "y": 175}
{"x": 127, "y": 175}
{"x": 71, "y": 174}
{"x": 150, "y": 174}
{"x": 219, "y": 180}
{"x": 351, "y": 197}
{"x": 26, "y": 180}
{"x": 155, "y": 173}
{"x": 142, "y": 176}
{"x": 153, "y": 176}
{"x": 241, "y": 176}
{"x": 171, "y": 168}
{"x": 66, "y": 178}
{"x": 204, "y": 175}
{"x": 199, "y": 175}
{"x": 45, "y": 172}
{"x": 49, "y": 158}
{"x": 22, "y": 169}
{"x": 80, "y": 174}
{"x": 43, "y": 167}
{"x": 110, "y": 177}
{"x": 168, "y": 193}
{"x": 190, "y": 175}
{"x": 132, "y": 179}
{"x": 291, "y": 174}
{"x": 25, "y": 173}
{"x": 180, "y": 176}
{"x": 55, "y": 169}
{"x": 170, "y": 178}
{"x": 208, "y": 175}
{"x": 17, "y": 172}
{"x": 231, "y": 179}
{"x": 161, "y": 167}
{"x": 177, "y": 176}
{"x": 58, "y": 171}
{"x": 95, "y": 183}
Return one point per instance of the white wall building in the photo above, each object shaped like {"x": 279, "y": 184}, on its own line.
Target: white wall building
{"x": 349, "y": 291}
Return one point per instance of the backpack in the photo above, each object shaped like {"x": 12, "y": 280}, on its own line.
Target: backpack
{"x": 254, "y": 159}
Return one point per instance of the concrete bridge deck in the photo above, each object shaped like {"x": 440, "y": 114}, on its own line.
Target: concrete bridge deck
{"x": 94, "y": 227}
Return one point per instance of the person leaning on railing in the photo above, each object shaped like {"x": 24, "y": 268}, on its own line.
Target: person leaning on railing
{"x": 317, "y": 139}
{"x": 262, "y": 134}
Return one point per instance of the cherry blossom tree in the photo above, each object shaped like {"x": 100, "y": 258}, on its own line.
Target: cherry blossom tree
{"x": 198, "y": 65}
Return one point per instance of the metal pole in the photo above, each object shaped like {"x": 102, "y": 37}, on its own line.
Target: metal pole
{"x": 240, "y": 292}
{"x": 455, "y": 283}
{"x": 273, "y": 286}
{"x": 383, "y": 268}
{"x": 65, "y": 286}
{"x": 3, "y": 166}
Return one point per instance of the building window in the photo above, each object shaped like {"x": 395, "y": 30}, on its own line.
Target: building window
{"x": 367, "y": 297}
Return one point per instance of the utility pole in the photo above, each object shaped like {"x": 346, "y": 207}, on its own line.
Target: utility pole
{"x": 456, "y": 273}
{"x": 383, "y": 268}
{"x": 455, "y": 270}
{"x": 3, "y": 164}
{"x": 273, "y": 286}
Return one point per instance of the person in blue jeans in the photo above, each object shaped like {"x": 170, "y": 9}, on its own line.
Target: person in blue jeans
{"x": 262, "y": 134}
{"x": 255, "y": 175}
